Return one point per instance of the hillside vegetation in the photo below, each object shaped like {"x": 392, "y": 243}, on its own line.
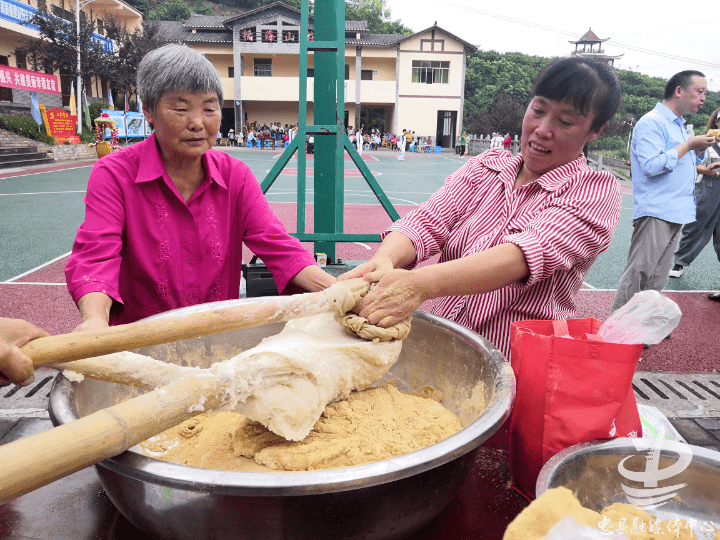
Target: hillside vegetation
{"x": 498, "y": 86}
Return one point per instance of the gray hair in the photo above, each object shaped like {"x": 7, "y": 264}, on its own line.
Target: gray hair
{"x": 175, "y": 67}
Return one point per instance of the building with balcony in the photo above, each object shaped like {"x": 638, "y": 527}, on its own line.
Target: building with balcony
{"x": 392, "y": 82}
{"x": 14, "y": 16}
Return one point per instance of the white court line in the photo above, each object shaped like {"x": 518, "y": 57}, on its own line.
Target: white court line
{"x": 45, "y": 172}
{"x": 37, "y": 268}
{"x": 662, "y": 292}
{"x": 404, "y": 200}
{"x": 29, "y": 283}
{"x": 363, "y": 245}
{"x": 586, "y": 285}
{"x": 40, "y": 193}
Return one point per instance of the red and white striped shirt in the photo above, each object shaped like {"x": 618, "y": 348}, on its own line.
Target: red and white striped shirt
{"x": 562, "y": 222}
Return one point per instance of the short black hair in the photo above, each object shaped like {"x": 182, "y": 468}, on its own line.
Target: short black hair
{"x": 584, "y": 83}
{"x": 682, "y": 79}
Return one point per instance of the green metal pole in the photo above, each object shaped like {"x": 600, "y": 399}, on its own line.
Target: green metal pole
{"x": 329, "y": 171}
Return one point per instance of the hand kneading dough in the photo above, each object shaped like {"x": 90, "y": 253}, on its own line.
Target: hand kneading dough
{"x": 360, "y": 326}
{"x": 344, "y": 296}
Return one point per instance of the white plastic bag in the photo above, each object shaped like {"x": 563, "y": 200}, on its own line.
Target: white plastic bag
{"x": 647, "y": 318}
{"x": 655, "y": 422}
{"x": 569, "y": 529}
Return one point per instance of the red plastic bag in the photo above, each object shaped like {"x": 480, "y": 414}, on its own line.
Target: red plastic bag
{"x": 568, "y": 391}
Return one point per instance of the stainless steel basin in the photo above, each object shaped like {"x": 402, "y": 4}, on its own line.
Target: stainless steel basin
{"x": 382, "y": 500}
{"x": 603, "y": 473}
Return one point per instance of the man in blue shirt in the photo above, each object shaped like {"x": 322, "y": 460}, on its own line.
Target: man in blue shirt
{"x": 663, "y": 160}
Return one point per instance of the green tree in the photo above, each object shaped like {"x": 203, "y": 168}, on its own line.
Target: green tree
{"x": 505, "y": 116}
{"x": 56, "y": 51}
{"x": 172, "y": 10}
{"x": 121, "y": 67}
{"x": 202, "y": 9}
{"x": 377, "y": 14}
{"x": 490, "y": 75}
{"x": 140, "y": 5}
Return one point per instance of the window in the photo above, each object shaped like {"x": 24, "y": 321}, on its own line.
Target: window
{"x": 311, "y": 73}
{"x": 347, "y": 72}
{"x": 62, "y": 13}
{"x": 5, "y": 93}
{"x": 231, "y": 72}
{"x": 366, "y": 74}
{"x": 263, "y": 67}
{"x": 20, "y": 59}
{"x": 430, "y": 72}
{"x": 100, "y": 27}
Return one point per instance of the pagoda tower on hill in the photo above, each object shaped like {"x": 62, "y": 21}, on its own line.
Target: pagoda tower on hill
{"x": 586, "y": 47}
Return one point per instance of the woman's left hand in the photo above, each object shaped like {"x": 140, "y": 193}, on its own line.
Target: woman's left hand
{"x": 396, "y": 295}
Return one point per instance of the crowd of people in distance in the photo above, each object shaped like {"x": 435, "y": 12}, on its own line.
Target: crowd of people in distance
{"x": 254, "y": 135}
{"x": 372, "y": 139}
{"x": 499, "y": 141}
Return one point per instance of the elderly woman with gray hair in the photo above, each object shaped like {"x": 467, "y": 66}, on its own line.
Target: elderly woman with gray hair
{"x": 165, "y": 219}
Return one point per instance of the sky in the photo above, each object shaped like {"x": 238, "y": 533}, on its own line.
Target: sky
{"x": 654, "y": 42}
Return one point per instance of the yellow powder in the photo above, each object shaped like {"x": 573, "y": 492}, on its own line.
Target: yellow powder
{"x": 535, "y": 521}
{"x": 375, "y": 424}
{"x": 652, "y": 530}
{"x": 203, "y": 441}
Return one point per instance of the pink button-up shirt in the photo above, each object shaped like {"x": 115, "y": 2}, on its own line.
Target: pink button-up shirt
{"x": 562, "y": 222}
{"x": 150, "y": 251}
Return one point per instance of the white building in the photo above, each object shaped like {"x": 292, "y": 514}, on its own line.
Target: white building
{"x": 393, "y": 82}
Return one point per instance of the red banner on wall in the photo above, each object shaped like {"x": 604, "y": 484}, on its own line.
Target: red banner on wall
{"x": 24, "y": 79}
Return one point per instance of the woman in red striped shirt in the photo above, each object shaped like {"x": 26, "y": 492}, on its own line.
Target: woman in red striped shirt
{"x": 516, "y": 234}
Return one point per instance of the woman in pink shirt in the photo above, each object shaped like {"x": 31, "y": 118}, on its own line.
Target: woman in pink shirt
{"x": 516, "y": 234}
{"x": 165, "y": 219}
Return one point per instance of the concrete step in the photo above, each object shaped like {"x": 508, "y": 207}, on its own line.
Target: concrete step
{"x": 24, "y": 156}
{"x": 26, "y": 162}
{"x": 15, "y": 150}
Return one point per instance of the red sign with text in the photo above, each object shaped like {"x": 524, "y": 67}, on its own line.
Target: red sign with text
{"x": 60, "y": 123}
{"x": 24, "y": 79}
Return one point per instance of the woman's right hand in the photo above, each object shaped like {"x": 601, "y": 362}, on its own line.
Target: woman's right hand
{"x": 371, "y": 271}
{"x": 15, "y": 367}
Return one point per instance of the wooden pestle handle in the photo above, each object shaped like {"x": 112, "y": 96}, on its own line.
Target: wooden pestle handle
{"x": 74, "y": 346}
{"x": 37, "y": 460}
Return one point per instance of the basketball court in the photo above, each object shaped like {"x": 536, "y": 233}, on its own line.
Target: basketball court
{"x": 41, "y": 209}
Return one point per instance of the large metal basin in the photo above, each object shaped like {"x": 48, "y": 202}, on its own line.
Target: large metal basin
{"x": 383, "y": 500}
{"x": 596, "y": 472}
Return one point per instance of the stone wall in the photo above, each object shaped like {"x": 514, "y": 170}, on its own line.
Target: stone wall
{"x": 74, "y": 152}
